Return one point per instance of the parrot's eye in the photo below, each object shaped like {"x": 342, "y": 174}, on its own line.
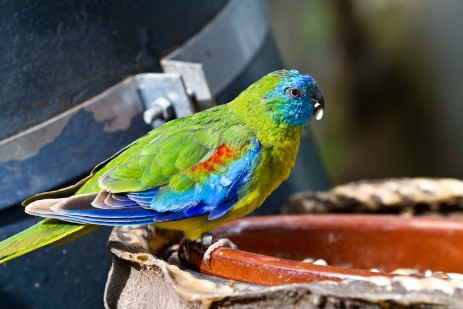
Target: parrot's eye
{"x": 294, "y": 92}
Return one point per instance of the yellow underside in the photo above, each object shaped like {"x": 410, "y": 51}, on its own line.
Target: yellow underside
{"x": 276, "y": 164}
{"x": 195, "y": 227}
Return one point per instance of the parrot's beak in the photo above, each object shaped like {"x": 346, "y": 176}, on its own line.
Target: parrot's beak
{"x": 318, "y": 102}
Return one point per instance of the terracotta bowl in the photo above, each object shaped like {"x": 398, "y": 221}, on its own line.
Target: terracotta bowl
{"x": 350, "y": 244}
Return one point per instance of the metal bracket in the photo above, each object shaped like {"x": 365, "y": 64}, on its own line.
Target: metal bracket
{"x": 164, "y": 97}
{"x": 195, "y": 81}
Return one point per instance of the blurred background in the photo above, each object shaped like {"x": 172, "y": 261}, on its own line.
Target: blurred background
{"x": 391, "y": 72}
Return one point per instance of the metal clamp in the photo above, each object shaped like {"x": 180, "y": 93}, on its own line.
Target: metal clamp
{"x": 159, "y": 110}
{"x": 164, "y": 97}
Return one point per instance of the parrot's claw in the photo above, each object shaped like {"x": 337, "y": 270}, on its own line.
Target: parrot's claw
{"x": 224, "y": 242}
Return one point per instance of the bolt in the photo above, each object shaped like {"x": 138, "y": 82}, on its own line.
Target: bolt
{"x": 158, "y": 112}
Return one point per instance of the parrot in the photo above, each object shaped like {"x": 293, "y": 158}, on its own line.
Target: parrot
{"x": 191, "y": 174}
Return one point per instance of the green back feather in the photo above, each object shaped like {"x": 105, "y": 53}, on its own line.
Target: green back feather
{"x": 165, "y": 155}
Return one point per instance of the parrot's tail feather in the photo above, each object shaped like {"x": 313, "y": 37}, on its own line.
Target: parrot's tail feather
{"x": 106, "y": 200}
{"x": 76, "y": 235}
{"x": 79, "y": 209}
{"x": 64, "y": 192}
{"x": 42, "y": 206}
{"x": 47, "y": 206}
{"x": 41, "y": 234}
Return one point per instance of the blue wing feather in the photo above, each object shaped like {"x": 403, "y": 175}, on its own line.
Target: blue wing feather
{"x": 216, "y": 197}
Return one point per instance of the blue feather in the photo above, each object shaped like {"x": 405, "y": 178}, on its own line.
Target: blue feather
{"x": 214, "y": 197}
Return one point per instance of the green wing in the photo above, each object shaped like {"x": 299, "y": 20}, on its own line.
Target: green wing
{"x": 161, "y": 157}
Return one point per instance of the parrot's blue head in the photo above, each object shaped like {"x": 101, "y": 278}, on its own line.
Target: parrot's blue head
{"x": 294, "y": 99}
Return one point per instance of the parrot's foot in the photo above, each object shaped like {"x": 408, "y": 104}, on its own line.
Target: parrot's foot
{"x": 207, "y": 241}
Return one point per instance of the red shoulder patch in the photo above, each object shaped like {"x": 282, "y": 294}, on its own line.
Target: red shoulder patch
{"x": 221, "y": 157}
